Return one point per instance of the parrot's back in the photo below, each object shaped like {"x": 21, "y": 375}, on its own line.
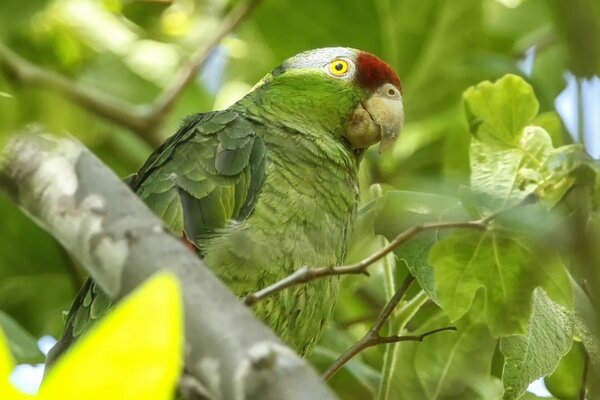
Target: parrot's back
{"x": 258, "y": 200}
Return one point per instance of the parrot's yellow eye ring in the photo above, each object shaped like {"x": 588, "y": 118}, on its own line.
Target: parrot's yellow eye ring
{"x": 338, "y": 67}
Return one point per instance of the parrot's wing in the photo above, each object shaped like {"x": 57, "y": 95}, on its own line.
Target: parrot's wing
{"x": 210, "y": 172}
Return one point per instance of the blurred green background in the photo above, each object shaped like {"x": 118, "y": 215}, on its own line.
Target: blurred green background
{"x": 132, "y": 49}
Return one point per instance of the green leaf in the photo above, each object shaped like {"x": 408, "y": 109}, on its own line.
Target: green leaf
{"x": 565, "y": 381}
{"x": 508, "y": 269}
{"x": 356, "y": 373}
{"x": 22, "y": 344}
{"x": 500, "y": 110}
{"x": 414, "y": 254}
{"x": 538, "y": 352}
{"x": 553, "y": 124}
{"x": 587, "y": 325}
{"x": 503, "y": 176}
{"x": 578, "y": 25}
{"x": 531, "y": 396}
{"x": 448, "y": 365}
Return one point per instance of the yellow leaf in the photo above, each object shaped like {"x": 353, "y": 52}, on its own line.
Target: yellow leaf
{"x": 7, "y": 390}
{"x": 6, "y": 360}
{"x": 134, "y": 353}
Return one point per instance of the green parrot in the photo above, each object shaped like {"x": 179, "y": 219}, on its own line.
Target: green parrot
{"x": 270, "y": 184}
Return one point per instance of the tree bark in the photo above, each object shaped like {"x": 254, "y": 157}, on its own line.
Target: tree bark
{"x": 76, "y": 198}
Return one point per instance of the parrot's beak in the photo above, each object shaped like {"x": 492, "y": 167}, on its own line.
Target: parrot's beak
{"x": 378, "y": 119}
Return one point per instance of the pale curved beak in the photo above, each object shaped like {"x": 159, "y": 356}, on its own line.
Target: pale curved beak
{"x": 379, "y": 119}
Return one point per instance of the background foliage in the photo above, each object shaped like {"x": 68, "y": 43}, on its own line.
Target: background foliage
{"x": 440, "y": 48}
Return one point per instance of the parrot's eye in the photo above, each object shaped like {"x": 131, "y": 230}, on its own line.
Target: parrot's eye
{"x": 338, "y": 67}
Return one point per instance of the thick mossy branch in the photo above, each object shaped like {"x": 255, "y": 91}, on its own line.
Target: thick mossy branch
{"x": 78, "y": 200}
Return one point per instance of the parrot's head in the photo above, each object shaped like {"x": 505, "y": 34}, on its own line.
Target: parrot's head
{"x": 352, "y": 93}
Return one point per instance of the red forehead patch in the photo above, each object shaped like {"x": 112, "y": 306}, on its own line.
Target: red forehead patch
{"x": 373, "y": 72}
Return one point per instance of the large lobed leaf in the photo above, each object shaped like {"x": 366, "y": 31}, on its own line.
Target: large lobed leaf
{"x": 500, "y": 110}
{"x": 508, "y": 269}
{"x": 510, "y": 160}
{"x": 448, "y": 365}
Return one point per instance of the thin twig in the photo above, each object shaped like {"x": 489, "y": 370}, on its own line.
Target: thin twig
{"x": 145, "y": 120}
{"x": 307, "y": 274}
{"x": 372, "y": 337}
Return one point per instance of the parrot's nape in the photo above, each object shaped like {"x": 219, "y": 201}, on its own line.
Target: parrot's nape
{"x": 270, "y": 184}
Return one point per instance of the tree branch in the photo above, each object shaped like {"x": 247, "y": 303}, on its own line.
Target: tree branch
{"x": 109, "y": 107}
{"x": 72, "y": 195}
{"x": 145, "y": 120}
{"x": 173, "y": 91}
{"x": 307, "y": 274}
{"x": 372, "y": 337}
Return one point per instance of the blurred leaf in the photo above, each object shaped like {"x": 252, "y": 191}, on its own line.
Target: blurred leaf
{"x": 548, "y": 74}
{"x": 448, "y": 365}
{"x": 518, "y": 26}
{"x": 22, "y": 344}
{"x": 565, "y": 381}
{"x": 135, "y": 351}
{"x": 553, "y": 124}
{"x": 280, "y": 27}
{"x": 578, "y": 23}
{"x": 109, "y": 73}
{"x": 365, "y": 375}
{"x": 17, "y": 15}
{"x": 586, "y": 323}
{"x": 507, "y": 268}
{"x": 538, "y": 352}
{"x": 531, "y": 396}
{"x": 145, "y": 13}
{"x": 402, "y": 209}
{"x": 6, "y": 366}
{"x": 34, "y": 284}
